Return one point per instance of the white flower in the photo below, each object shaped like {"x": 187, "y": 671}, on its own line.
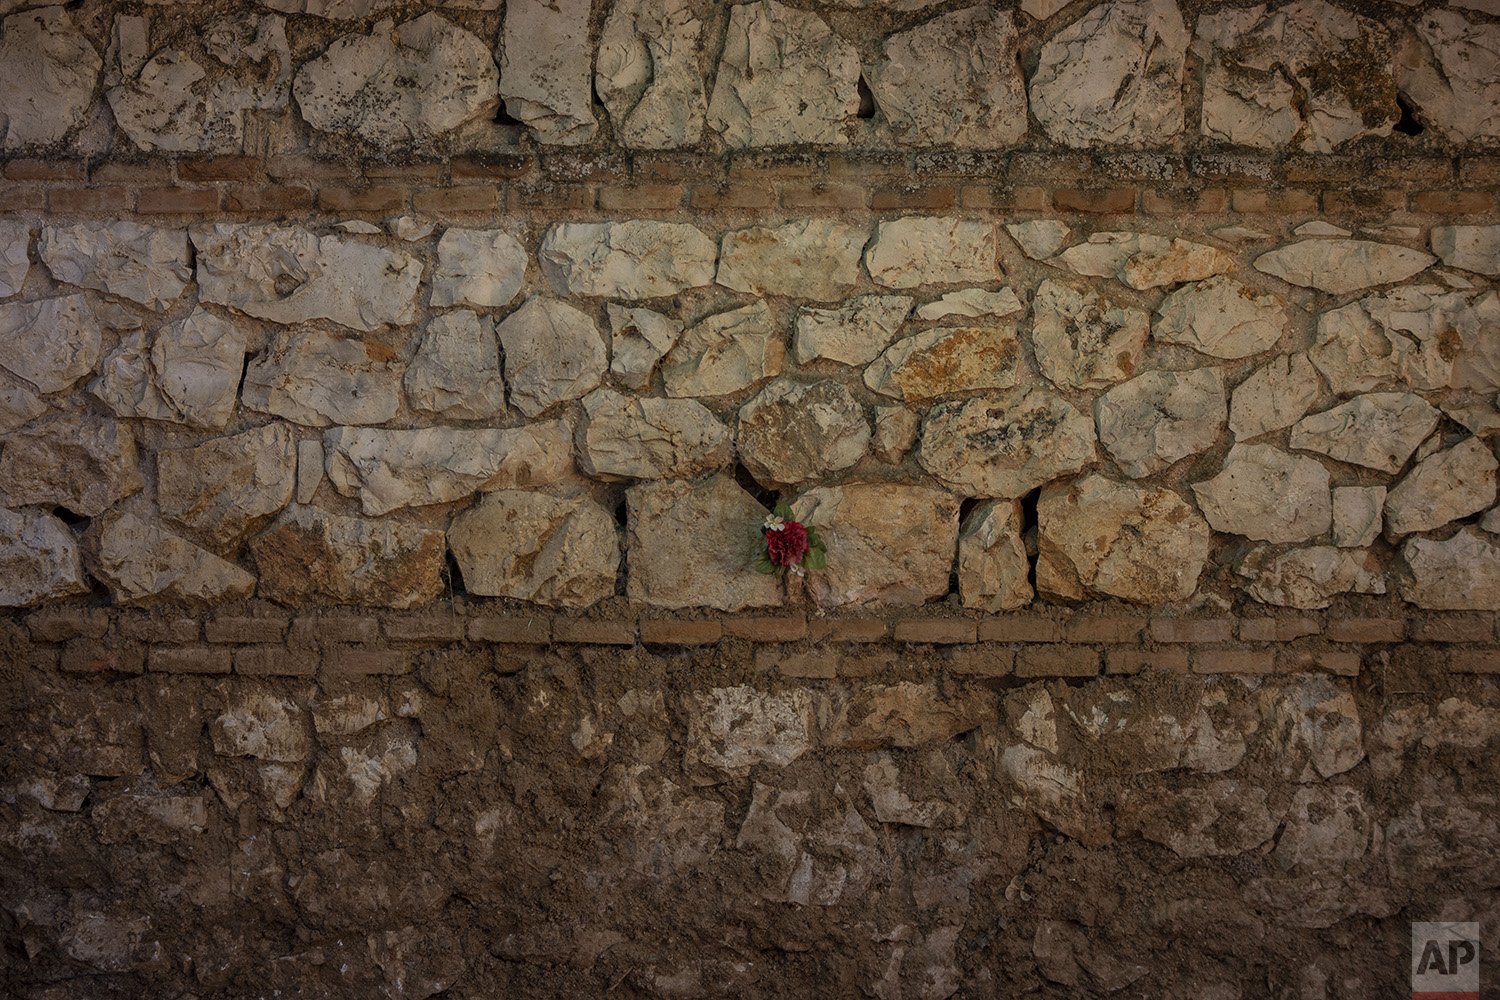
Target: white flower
{"x": 774, "y": 523}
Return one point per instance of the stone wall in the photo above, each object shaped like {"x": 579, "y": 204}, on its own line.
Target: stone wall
{"x": 391, "y": 394}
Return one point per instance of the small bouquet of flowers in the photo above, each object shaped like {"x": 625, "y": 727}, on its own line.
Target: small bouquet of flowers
{"x": 789, "y": 545}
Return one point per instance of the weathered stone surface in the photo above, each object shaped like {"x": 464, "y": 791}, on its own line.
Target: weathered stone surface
{"x": 477, "y": 267}
{"x": 74, "y": 460}
{"x": 1461, "y": 573}
{"x": 854, "y": 333}
{"x": 1420, "y": 337}
{"x": 1083, "y": 341}
{"x": 47, "y": 74}
{"x": 38, "y": 559}
{"x": 808, "y": 259}
{"x": 1114, "y": 76}
{"x": 887, "y": 543}
{"x": 1159, "y": 418}
{"x": 1443, "y": 488}
{"x": 895, "y": 432}
{"x": 15, "y": 241}
{"x": 648, "y": 76}
{"x": 905, "y": 716}
{"x": 725, "y": 352}
{"x": 1327, "y": 828}
{"x": 309, "y": 557}
{"x": 556, "y": 552}
{"x": 50, "y": 343}
{"x": 1265, "y": 494}
{"x": 553, "y": 352}
{"x": 1314, "y": 722}
{"x": 1143, "y": 260}
{"x": 143, "y": 563}
{"x": 927, "y": 250}
{"x": 1340, "y": 265}
{"x": 631, "y": 437}
{"x": 1273, "y": 397}
{"x": 287, "y": 274}
{"x": 1472, "y": 248}
{"x": 1378, "y": 430}
{"x": 1447, "y": 71}
{"x": 792, "y": 432}
{"x": 456, "y": 370}
{"x": 993, "y": 571}
{"x": 1007, "y": 444}
{"x": 227, "y": 488}
{"x": 314, "y": 378}
{"x": 691, "y": 545}
{"x": 1099, "y": 537}
{"x": 1052, "y": 789}
{"x": 947, "y": 359}
{"x": 770, "y": 51}
{"x": 257, "y": 723}
{"x": 391, "y": 469}
{"x": 638, "y": 339}
{"x": 971, "y": 302}
{"x": 188, "y": 374}
{"x": 18, "y": 406}
{"x": 545, "y": 76}
{"x": 953, "y": 81}
{"x": 1220, "y": 819}
{"x": 1358, "y": 512}
{"x": 734, "y": 729}
{"x": 1221, "y": 318}
{"x": 193, "y": 94}
{"x": 1311, "y": 577}
{"x": 141, "y": 263}
{"x": 626, "y": 260}
{"x": 1039, "y": 239}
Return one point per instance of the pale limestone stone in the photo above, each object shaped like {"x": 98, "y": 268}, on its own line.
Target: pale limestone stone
{"x": 792, "y": 432}
{"x": 1039, "y": 239}
{"x": 1082, "y": 341}
{"x": 1461, "y": 573}
{"x": 226, "y": 489}
{"x": 316, "y": 379}
{"x": 79, "y": 461}
{"x": 906, "y": 716}
{"x": 1159, "y": 418}
{"x": 972, "y": 302}
{"x": 854, "y": 333}
{"x": 1326, "y": 829}
{"x": 1267, "y": 495}
{"x": 311, "y": 557}
{"x": 895, "y": 432}
{"x": 953, "y": 81}
{"x": 545, "y": 72}
{"x": 359, "y": 227}
{"x": 1470, "y": 248}
{"x": 532, "y": 547}
{"x": 1357, "y": 515}
{"x": 887, "y": 543}
{"x": 1097, "y": 537}
{"x": 48, "y": 70}
{"x": 1341, "y": 266}
{"x": 1006, "y": 444}
{"x": 993, "y": 571}
{"x": 808, "y": 259}
{"x": 553, "y": 352}
{"x": 924, "y": 250}
{"x": 1447, "y": 69}
{"x": 1317, "y": 227}
{"x": 1114, "y": 76}
{"x": 691, "y": 545}
{"x": 1144, "y": 260}
{"x": 1043, "y": 9}
{"x": 1220, "y": 819}
{"x": 1193, "y": 726}
{"x": 1378, "y": 430}
{"x": 626, "y": 260}
{"x": 1419, "y": 336}
{"x": 51, "y": 343}
{"x": 1314, "y": 722}
{"x": 725, "y": 352}
{"x": 142, "y": 564}
{"x": 195, "y": 96}
{"x": 391, "y": 469}
{"x": 477, "y": 267}
{"x": 456, "y": 370}
{"x": 257, "y": 723}
{"x": 410, "y": 228}
{"x": 771, "y": 51}
{"x": 1221, "y": 318}
{"x": 18, "y": 406}
{"x": 638, "y": 339}
{"x": 39, "y": 559}
{"x": 1443, "y": 488}
{"x": 1311, "y": 577}
{"x": 732, "y": 730}
{"x": 947, "y": 360}
{"x": 141, "y": 263}
{"x": 892, "y": 805}
{"x": 15, "y": 240}
{"x": 1055, "y": 791}
{"x": 287, "y": 274}
{"x": 309, "y": 469}
{"x": 647, "y": 73}
{"x": 1491, "y": 522}
{"x": 631, "y": 437}
{"x": 1273, "y": 397}
{"x": 188, "y": 374}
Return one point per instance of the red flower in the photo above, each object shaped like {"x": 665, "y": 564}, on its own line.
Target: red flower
{"x": 787, "y": 546}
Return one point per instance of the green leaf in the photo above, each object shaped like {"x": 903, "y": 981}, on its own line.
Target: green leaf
{"x": 783, "y": 510}
{"x": 814, "y": 540}
{"x": 762, "y": 563}
{"x": 815, "y": 559}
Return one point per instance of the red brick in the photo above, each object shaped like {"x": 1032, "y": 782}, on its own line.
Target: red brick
{"x": 1192, "y": 629}
{"x": 1475, "y": 661}
{"x": 595, "y": 632}
{"x": 91, "y": 656}
{"x": 268, "y": 200}
{"x": 1020, "y": 628}
{"x": 866, "y": 664}
{"x": 667, "y": 632}
{"x": 244, "y": 629}
{"x": 818, "y": 664}
{"x": 424, "y": 627}
{"x": 1106, "y": 630}
{"x": 1365, "y": 629}
{"x": 1018, "y": 199}
{"x": 46, "y": 170}
{"x": 178, "y": 631}
{"x": 1326, "y": 168}
{"x": 315, "y": 630}
{"x": 96, "y": 200}
{"x": 982, "y": 661}
{"x": 1057, "y": 661}
{"x": 1256, "y": 201}
{"x": 1133, "y": 661}
{"x": 1479, "y": 170}
{"x": 115, "y": 172}
{"x": 574, "y": 166}
{"x": 640, "y": 197}
{"x": 18, "y": 198}
{"x": 1233, "y": 661}
{"x": 189, "y": 660}
{"x": 1436, "y": 171}
{"x": 454, "y": 200}
{"x": 177, "y": 201}
{"x": 1205, "y": 201}
{"x": 805, "y": 195}
{"x": 1361, "y": 202}
{"x": 305, "y": 169}
{"x": 1334, "y": 661}
{"x": 403, "y": 171}
{"x": 529, "y": 630}
{"x": 501, "y": 167}
{"x": 771, "y": 165}
{"x": 1453, "y": 628}
{"x": 926, "y": 199}
{"x": 866, "y": 164}
{"x": 363, "y": 199}
{"x": 767, "y": 628}
{"x": 219, "y": 168}
{"x": 846, "y": 629}
{"x": 364, "y": 661}
{"x": 934, "y": 630}
{"x": 728, "y": 196}
{"x": 651, "y": 168}
{"x": 61, "y": 624}
{"x": 1103, "y": 200}
{"x": 551, "y": 199}
{"x": 1277, "y": 629}
{"x": 1453, "y": 202}
{"x": 274, "y": 661}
